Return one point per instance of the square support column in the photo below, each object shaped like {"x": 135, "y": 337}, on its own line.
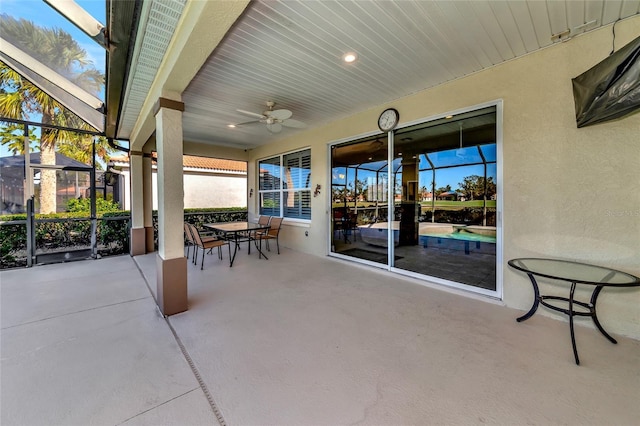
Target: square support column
{"x": 137, "y": 235}
{"x": 147, "y": 180}
{"x": 410, "y": 205}
{"x": 171, "y": 265}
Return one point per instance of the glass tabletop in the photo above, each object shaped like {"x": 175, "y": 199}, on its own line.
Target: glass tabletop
{"x": 575, "y": 272}
{"x": 235, "y": 226}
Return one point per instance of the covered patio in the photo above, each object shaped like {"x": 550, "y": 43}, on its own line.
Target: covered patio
{"x": 297, "y": 339}
{"x": 308, "y": 337}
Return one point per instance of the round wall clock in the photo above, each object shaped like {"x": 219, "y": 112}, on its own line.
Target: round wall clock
{"x": 388, "y": 120}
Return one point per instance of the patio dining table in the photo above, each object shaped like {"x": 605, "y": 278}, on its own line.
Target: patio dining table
{"x": 238, "y": 232}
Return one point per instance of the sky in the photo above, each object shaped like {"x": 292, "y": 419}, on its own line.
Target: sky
{"x": 45, "y": 16}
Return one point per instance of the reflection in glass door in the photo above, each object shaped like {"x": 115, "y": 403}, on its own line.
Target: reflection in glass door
{"x": 443, "y": 179}
{"x": 359, "y": 204}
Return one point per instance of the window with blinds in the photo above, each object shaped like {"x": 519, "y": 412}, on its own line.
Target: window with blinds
{"x": 285, "y": 185}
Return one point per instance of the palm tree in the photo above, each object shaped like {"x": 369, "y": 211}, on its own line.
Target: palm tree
{"x": 12, "y": 135}
{"x": 19, "y": 98}
{"x": 80, "y": 148}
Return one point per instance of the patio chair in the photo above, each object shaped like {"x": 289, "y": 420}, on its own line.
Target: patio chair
{"x": 188, "y": 238}
{"x": 337, "y": 222}
{"x": 207, "y": 243}
{"x": 349, "y": 227}
{"x": 271, "y": 234}
{"x": 264, "y": 220}
{"x": 190, "y": 241}
{"x": 346, "y": 224}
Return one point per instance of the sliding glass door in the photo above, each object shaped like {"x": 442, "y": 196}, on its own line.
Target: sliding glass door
{"x": 432, "y": 210}
{"x": 359, "y": 206}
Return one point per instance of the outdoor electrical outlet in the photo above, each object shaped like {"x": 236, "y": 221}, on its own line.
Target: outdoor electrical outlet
{"x": 306, "y": 233}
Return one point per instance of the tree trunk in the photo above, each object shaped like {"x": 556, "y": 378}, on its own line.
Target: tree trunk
{"x": 47, "y": 180}
{"x": 291, "y": 195}
{"x": 48, "y": 157}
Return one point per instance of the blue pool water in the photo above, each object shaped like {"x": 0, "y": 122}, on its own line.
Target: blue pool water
{"x": 464, "y": 236}
{"x": 467, "y": 242}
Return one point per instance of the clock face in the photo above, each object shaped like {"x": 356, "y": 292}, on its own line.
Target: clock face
{"x": 388, "y": 119}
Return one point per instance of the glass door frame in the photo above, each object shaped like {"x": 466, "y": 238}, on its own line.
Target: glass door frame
{"x": 430, "y": 280}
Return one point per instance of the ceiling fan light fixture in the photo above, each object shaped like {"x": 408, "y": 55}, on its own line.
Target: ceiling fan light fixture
{"x": 274, "y": 119}
{"x": 233, "y": 126}
{"x": 350, "y": 57}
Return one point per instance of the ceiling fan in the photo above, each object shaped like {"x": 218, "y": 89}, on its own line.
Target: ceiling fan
{"x": 273, "y": 118}
{"x": 375, "y": 146}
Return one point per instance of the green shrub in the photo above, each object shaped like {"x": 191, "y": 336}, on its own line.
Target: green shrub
{"x": 13, "y": 239}
{"x": 112, "y": 233}
{"x": 84, "y": 205}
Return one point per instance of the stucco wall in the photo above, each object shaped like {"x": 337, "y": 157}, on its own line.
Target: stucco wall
{"x": 215, "y": 191}
{"x": 202, "y": 190}
{"x": 568, "y": 193}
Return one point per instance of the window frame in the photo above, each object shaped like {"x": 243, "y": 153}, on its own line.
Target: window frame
{"x": 282, "y": 189}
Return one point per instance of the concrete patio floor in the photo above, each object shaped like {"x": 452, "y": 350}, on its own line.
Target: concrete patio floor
{"x": 295, "y": 340}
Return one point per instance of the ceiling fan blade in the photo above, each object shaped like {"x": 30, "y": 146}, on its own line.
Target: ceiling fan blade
{"x": 294, "y": 123}
{"x": 274, "y": 128}
{"x": 280, "y": 114}
{"x": 375, "y": 146}
{"x": 252, "y": 114}
{"x": 247, "y": 122}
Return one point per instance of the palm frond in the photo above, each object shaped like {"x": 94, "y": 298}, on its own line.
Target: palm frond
{"x": 12, "y": 106}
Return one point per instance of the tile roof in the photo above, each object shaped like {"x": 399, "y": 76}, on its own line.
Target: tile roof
{"x": 197, "y": 162}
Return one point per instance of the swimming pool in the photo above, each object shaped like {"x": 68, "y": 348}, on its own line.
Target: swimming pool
{"x": 464, "y": 236}
{"x": 376, "y": 233}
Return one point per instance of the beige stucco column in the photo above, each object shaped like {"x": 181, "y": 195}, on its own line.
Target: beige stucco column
{"x": 171, "y": 263}
{"x": 137, "y": 235}
{"x": 410, "y": 206}
{"x": 147, "y": 182}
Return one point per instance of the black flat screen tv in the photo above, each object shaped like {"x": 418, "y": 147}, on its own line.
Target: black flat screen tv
{"x": 611, "y": 89}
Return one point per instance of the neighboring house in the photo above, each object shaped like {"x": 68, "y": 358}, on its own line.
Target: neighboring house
{"x": 208, "y": 182}
{"x": 451, "y": 196}
{"x": 427, "y": 196}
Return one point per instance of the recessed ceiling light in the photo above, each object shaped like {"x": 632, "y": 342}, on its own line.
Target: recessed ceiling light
{"x": 350, "y": 57}
{"x": 231, "y": 125}
{"x": 400, "y": 154}
{"x": 448, "y": 117}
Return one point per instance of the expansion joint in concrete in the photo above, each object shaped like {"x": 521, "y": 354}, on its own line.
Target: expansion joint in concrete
{"x": 73, "y": 313}
{"x": 187, "y": 357}
{"x": 196, "y": 373}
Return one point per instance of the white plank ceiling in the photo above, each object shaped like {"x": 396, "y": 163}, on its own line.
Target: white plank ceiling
{"x": 291, "y": 52}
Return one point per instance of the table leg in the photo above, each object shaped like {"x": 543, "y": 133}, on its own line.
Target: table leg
{"x": 255, "y": 241}
{"x": 573, "y": 336}
{"x": 536, "y": 300}
{"x": 594, "y": 299}
{"x": 235, "y": 248}
{"x": 260, "y": 250}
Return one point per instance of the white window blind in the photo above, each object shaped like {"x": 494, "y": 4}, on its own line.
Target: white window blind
{"x": 285, "y": 185}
